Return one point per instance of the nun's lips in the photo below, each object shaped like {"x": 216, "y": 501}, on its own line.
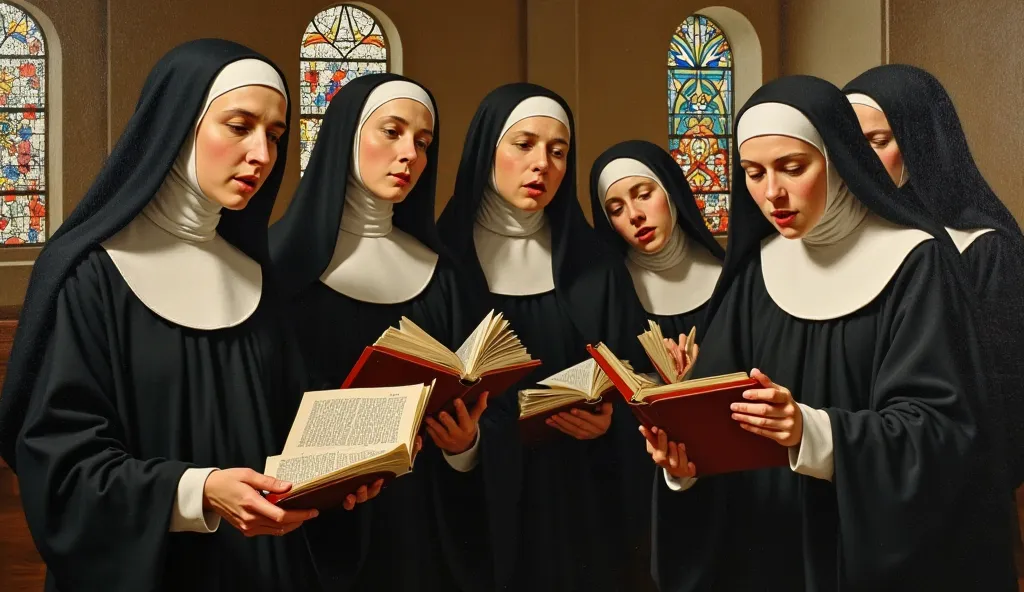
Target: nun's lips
{"x": 535, "y": 188}
{"x": 246, "y": 183}
{"x": 645, "y": 234}
{"x": 783, "y": 217}
{"x": 402, "y": 178}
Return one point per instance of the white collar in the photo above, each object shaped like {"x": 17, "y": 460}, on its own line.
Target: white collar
{"x": 171, "y": 256}
{"x": 965, "y": 238}
{"x": 826, "y": 281}
{"x": 515, "y": 265}
{"x": 679, "y": 288}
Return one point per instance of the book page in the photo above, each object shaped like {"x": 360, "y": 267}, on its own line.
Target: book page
{"x": 410, "y": 339}
{"x": 578, "y": 378}
{"x": 471, "y": 348}
{"x": 653, "y": 343}
{"x": 307, "y": 467}
{"x": 355, "y": 418}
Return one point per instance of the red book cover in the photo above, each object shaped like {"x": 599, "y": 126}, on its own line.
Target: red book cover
{"x": 702, "y": 420}
{"x": 379, "y": 366}
{"x": 328, "y": 495}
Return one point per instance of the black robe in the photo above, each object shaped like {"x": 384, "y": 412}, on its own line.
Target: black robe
{"x": 426, "y": 530}
{"x": 945, "y": 179}
{"x": 401, "y": 539}
{"x": 127, "y": 403}
{"x": 105, "y": 404}
{"x": 558, "y": 513}
{"x": 995, "y": 271}
{"x": 911, "y": 502}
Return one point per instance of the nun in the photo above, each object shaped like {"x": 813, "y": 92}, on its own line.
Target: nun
{"x": 912, "y": 125}
{"x": 150, "y": 351}
{"x": 356, "y": 251}
{"x": 650, "y": 216}
{"x": 527, "y": 250}
{"x": 650, "y": 219}
{"x": 847, "y": 305}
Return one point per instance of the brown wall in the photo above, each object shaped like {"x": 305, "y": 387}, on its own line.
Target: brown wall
{"x": 974, "y": 49}
{"x": 442, "y": 41}
{"x": 81, "y": 27}
{"x": 832, "y": 39}
{"x": 622, "y": 61}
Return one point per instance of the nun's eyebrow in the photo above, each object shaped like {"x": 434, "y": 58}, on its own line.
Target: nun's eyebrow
{"x": 533, "y": 136}
{"x": 250, "y": 115}
{"x": 880, "y": 130}
{"x": 405, "y": 122}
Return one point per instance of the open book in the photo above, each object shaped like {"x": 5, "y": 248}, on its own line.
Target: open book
{"x": 492, "y": 359}
{"x": 653, "y": 343}
{"x": 579, "y": 386}
{"x": 342, "y": 439}
{"x": 696, "y": 413}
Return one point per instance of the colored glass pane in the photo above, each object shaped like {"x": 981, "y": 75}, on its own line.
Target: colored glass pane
{"x": 700, "y": 108}
{"x": 23, "y": 68}
{"x": 340, "y": 44}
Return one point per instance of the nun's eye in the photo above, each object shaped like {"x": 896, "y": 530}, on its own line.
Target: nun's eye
{"x": 796, "y": 170}
{"x": 524, "y": 146}
{"x": 755, "y": 175}
{"x": 423, "y": 144}
{"x": 238, "y": 129}
{"x": 558, "y": 153}
{"x": 389, "y": 132}
{"x": 644, "y": 196}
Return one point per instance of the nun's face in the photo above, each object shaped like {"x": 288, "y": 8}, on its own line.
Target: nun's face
{"x": 530, "y": 162}
{"x": 878, "y": 132}
{"x": 639, "y": 211}
{"x": 236, "y": 144}
{"x": 393, "y": 148}
{"x": 788, "y": 179}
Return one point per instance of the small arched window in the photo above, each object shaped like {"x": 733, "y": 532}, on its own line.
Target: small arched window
{"x": 700, "y": 111}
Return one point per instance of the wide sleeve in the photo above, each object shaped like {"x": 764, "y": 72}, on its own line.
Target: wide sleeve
{"x": 902, "y": 462}
{"x": 99, "y": 516}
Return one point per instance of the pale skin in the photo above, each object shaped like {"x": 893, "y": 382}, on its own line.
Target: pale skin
{"x": 875, "y": 126}
{"x": 529, "y": 165}
{"x": 784, "y": 175}
{"x": 393, "y": 148}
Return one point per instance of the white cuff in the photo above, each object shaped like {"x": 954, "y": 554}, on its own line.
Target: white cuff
{"x": 678, "y": 483}
{"x": 188, "y": 514}
{"x": 813, "y": 455}
{"x": 465, "y": 462}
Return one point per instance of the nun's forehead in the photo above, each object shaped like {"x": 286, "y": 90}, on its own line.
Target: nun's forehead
{"x": 536, "y": 106}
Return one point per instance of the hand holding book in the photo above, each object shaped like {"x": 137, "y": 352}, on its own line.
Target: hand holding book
{"x": 456, "y": 437}
{"x": 771, "y": 412}
{"x": 668, "y": 455}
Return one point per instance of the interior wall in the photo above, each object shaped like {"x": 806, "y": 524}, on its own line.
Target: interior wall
{"x": 974, "y": 49}
{"x": 832, "y": 39}
{"x": 443, "y": 41}
{"x": 622, "y": 68}
{"x": 81, "y": 28}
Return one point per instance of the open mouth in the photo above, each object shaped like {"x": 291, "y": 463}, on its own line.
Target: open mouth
{"x": 783, "y": 217}
{"x": 247, "y": 182}
{"x": 535, "y": 188}
{"x": 645, "y": 234}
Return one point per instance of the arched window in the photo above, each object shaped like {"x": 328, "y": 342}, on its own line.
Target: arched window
{"x": 700, "y": 109}
{"x": 23, "y": 137}
{"x": 340, "y": 44}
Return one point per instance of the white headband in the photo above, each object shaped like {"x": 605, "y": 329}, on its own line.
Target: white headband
{"x": 534, "y": 107}
{"x": 778, "y": 119}
{"x": 862, "y": 99}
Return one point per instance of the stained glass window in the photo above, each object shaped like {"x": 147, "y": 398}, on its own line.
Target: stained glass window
{"x": 339, "y": 45}
{"x": 700, "y": 87}
{"x": 22, "y": 129}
